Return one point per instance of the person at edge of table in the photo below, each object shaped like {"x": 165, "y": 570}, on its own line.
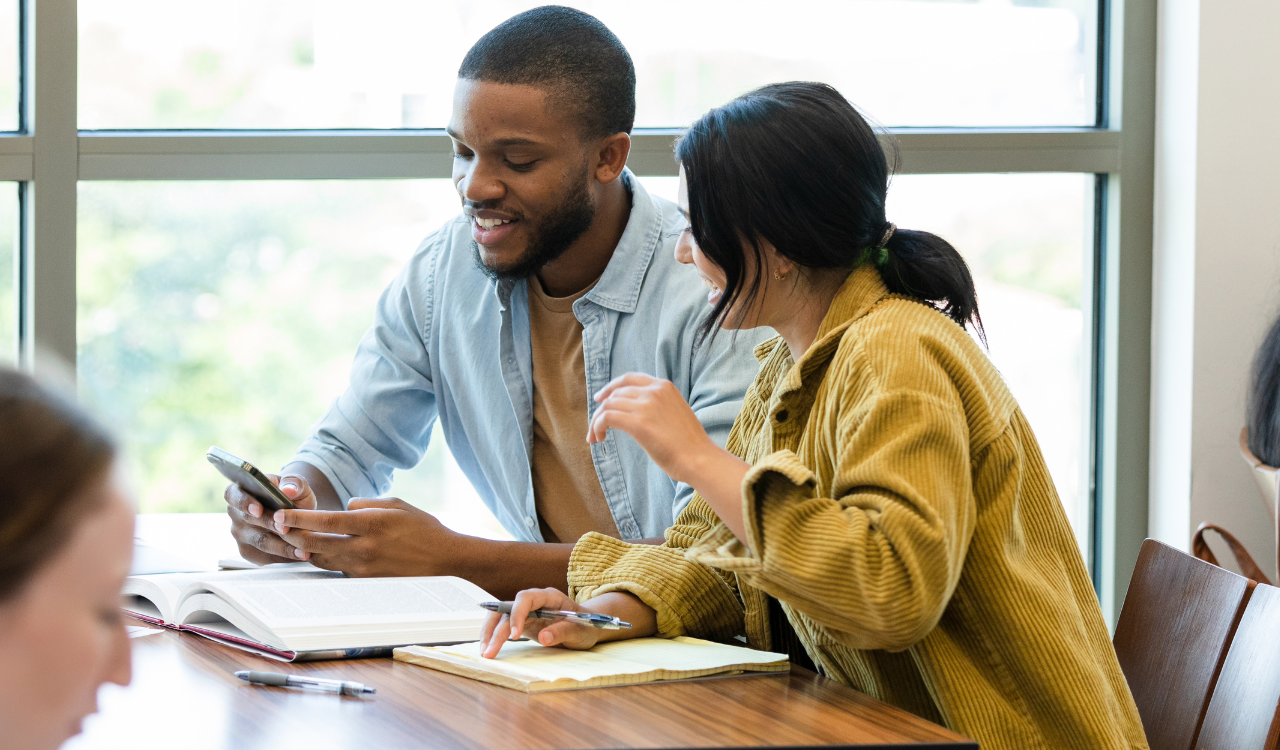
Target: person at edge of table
{"x": 882, "y": 511}
{"x": 66, "y": 541}
{"x": 557, "y": 277}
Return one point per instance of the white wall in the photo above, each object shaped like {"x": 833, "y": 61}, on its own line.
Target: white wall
{"x": 1217, "y": 260}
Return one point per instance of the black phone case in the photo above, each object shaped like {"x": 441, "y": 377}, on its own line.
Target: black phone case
{"x": 249, "y": 479}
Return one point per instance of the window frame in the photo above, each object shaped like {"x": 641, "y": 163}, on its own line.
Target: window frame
{"x": 49, "y": 156}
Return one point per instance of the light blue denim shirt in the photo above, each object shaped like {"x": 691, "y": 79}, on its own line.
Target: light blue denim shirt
{"x": 448, "y": 342}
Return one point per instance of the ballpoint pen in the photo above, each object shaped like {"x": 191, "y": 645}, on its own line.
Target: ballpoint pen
{"x": 342, "y": 687}
{"x": 604, "y": 622}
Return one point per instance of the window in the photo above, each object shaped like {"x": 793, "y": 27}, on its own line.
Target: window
{"x": 9, "y": 19}
{"x": 1025, "y": 129}
{"x": 8, "y": 272}
{"x": 392, "y": 63}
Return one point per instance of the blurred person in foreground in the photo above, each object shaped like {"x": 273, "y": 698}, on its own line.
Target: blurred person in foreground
{"x": 66, "y": 540}
{"x": 1261, "y": 438}
{"x": 1263, "y": 402}
{"x": 882, "y": 512}
{"x": 557, "y": 276}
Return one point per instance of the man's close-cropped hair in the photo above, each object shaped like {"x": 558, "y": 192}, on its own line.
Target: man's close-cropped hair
{"x": 580, "y": 63}
{"x": 51, "y": 454}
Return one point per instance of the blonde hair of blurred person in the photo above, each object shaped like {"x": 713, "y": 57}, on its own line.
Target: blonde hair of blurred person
{"x": 66, "y": 541}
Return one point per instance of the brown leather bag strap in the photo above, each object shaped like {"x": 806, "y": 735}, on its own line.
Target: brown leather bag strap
{"x": 1200, "y": 548}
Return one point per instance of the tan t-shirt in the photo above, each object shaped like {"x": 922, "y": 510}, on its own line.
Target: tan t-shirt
{"x": 566, "y": 489}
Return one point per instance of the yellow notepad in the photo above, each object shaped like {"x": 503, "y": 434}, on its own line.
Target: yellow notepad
{"x": 532, "y": 668}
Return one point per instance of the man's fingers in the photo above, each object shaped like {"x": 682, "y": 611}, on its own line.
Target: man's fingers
{"x": 264, "y": 541}
{"x": 327, "y": 521}
{"x": 297, "y": 489}
{"x": 321, "y": 544}
{"x": 258, "y": 557}
{"x": 250, "y": 509}
{"x": 388, "y": 503}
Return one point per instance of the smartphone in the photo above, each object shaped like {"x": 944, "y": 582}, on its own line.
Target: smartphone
{"x": 247, "y": 476}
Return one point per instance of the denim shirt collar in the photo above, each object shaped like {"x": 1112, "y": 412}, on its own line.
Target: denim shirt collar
{"x": 619, "y": 288}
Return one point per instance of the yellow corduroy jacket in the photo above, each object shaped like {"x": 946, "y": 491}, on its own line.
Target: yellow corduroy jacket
{"x": 899, "y": 509}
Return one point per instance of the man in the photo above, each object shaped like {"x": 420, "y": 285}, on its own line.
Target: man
{"x": 558, "y": 276}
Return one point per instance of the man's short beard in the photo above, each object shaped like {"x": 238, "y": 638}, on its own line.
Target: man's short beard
{"x": 550, "y": 237}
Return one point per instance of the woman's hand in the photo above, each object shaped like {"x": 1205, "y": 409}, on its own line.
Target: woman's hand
{"x": 499, "y": 628}
{"x": 653, "y": 412}
{"x": 567, "y": 633}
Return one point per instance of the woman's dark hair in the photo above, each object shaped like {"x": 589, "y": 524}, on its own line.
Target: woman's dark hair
{"x": 1263, "y": 406}
{"x": 795, "y": 165}
{"x": 51, "y": 453}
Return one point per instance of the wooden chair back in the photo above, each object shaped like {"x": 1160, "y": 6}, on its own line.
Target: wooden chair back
{"x": 1244, "y": 713}
{"x": 1178, "y": 618}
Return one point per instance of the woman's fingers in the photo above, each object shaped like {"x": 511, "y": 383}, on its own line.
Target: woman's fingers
{"x": 498, "y": 630}
{"x": 618, "y": 415}
{"x": 497, "y": 637}
{"x": 533, "y": 599}
{"x": 568, "y": 634}
{"x": 626, "y": 379}
{"x": 490, "y": 625}
{"x": 556, "y": 632}
{"x": 525, "y": 602}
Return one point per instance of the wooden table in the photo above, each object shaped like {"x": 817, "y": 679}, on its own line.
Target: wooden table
{"x": 185, "y": 695}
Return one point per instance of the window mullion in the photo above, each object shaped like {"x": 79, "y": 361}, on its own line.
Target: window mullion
{"x": 48, "y": 318}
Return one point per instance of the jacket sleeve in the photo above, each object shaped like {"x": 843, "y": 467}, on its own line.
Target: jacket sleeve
{"x": 876, "y": 563}
{"x": 383, "y": 420}
{"x": 689, "y": 598}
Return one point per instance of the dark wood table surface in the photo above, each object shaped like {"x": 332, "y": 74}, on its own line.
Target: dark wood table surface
{"x": 185, "y": 695}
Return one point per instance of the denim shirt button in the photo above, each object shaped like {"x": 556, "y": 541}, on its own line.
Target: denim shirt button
{"x": 528, "y": 521}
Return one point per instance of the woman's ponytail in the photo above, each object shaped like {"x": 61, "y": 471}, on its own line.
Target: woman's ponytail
{"x": 927, "y": 267}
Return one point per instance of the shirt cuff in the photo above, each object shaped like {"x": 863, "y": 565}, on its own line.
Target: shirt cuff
{"x": 688, "y": 599}
{"x": 335, "y": 467}
{"x": 774, "y": 480}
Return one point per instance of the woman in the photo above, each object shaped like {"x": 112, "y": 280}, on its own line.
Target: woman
{"x": 66, "y": 539}
{"x": 882, "y": 509}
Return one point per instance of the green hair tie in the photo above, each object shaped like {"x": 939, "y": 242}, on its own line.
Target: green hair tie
{"x": 879, "y": 254}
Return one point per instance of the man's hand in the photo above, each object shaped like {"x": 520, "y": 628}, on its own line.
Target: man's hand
{"x": 373, "y": 537}
{"x": 252, "y": 527}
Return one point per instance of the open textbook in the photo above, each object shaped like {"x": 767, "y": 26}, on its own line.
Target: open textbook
{"x": 534, "y": 668}
{"x": 297, "y": 612}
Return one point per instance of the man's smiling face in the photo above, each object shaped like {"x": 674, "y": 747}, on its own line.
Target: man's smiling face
{"x": 523, "y": 173}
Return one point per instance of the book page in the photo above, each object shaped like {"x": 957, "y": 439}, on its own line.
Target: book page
{"x": 531, "y": 659}
{"x": 354, "y": 600}
{"x": 166, "y": 591}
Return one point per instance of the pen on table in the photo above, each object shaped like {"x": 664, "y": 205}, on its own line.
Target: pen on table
{"x": 604, "y": 622}
{"x": 343, "y": 687}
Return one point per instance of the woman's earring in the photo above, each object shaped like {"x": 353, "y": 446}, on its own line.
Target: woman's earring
{"x": 779, "y": 276}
